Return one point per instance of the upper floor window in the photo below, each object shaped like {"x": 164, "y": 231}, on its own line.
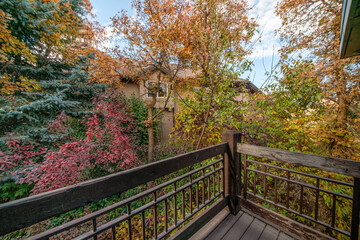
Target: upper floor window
{"x": 151, "y": 90}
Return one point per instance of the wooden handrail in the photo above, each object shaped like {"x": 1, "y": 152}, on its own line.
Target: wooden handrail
{"x": 27, "y": 211}
{"x": 330, "y": 164}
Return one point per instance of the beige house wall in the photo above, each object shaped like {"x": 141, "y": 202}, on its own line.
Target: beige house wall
{"x": 131, "y": 88}
{"x": 167, "y": 121}
{"x": 172, "y": 106}
{"x": 242, "y": 97}
{"x": 160, "y": 101}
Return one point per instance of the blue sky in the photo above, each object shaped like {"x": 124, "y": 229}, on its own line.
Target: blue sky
{"x": 264, "y": 54}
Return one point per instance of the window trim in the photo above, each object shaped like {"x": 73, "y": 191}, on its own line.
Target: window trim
{"x": 157, "y": 94}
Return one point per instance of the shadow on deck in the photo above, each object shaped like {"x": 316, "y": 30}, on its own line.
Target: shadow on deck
{"x": 242, "y": 226}
{"x": 190, "y": 196}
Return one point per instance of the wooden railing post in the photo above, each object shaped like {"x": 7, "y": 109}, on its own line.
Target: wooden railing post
{"x": 232, "y": 165}
{"x": 355, "y": 211}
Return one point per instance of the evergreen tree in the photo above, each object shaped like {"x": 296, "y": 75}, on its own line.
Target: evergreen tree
{"x": 46, "y": 73}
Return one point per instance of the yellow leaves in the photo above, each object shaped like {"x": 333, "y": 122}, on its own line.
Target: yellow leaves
{"x": 9, "y": 87}
{"x": 29, "y": 85}
{"x": 9, "y": 43}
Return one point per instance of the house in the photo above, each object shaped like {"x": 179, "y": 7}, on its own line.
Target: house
{"x": 350, "y": 29}
{"x": 142, "y": 90}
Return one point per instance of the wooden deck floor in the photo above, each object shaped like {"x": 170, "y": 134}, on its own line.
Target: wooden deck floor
{"x": 244, "y": 226}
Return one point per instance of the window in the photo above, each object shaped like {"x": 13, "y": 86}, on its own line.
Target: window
{"x": 151, "y": 89}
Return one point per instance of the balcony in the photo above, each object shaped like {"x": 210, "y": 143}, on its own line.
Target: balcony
{"x": 227, "y": 191}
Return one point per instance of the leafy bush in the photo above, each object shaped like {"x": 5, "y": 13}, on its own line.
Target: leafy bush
{"x": 106, "y": 148}
{"x": 140, "y": 114}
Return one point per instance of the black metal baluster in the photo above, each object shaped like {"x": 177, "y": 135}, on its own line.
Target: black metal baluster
{"x": 333, "y": 212}
{"x": 317, "y": 199}
{"x": 214, "y": 181}
{"x": 275, "y": 190}
{"x": 208, "y": 186}
{"x": 254, "y": 183}
{"x": 183, "y": 204}
{"x": 143, "y": 224}
{"x": 94, "y": 227}
{"x": 191, "y": 208}
{"x": 245, "y": 175}
{"x": 301, "y": 198}
{"x": 218, "y": 181}
{"x": 166, "y": 215}
{"x": 175, "y": 204}
{"x": 355, "y": 210}
{"x": 197, "y": 195}
{"x": 113, "y": 233}
{"x": 155, "y": 216}
{"x": 203, "y": 188}
{"x": 265, "y": 182}
{"x": 288, "y": 190}
{"x": 129, "y": 221}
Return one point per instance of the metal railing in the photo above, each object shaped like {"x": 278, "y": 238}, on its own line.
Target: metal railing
{"x": 271, "y": 177}
{"x": 160, "y": 209}
{"x": 232, "y": 174}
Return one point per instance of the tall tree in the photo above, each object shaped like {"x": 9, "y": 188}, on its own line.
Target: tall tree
{"x": 311, "y": 30}
{"x": 153, "y": 40}
{"x": 217, "y": 36}
{"x": 43, "y": 68}
{"x": 289, "y": 111}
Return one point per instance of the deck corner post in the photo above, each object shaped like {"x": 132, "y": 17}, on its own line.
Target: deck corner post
{"x": 355, "y": 220}
{"x": 232, "y": 165}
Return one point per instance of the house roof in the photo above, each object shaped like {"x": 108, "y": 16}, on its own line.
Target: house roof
{"x": 133, "y": 73}
{"x": 350, "y": 29}
{"x": 247, "y": 84}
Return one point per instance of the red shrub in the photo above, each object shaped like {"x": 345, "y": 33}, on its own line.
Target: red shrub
{"x": 107, "y": 147}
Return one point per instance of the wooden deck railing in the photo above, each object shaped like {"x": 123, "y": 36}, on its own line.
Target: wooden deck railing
{"x": 264, "y": 170}
{"x": 236, "y": 175}
{"x": 181, "y": 197}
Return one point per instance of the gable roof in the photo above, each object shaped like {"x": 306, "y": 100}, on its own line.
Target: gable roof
{"x": 247, "y": 84}
{"x": 133, "y": 73}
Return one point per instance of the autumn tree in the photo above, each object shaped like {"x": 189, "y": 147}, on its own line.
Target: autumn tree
{"x": 218, "y": 38}
{"x": 107, "y": 147}
{"x": 43, "y": 68}
{"x": 151, "y": 43}
{"x": 311, "y": 30}
{"x": 285, "y": 115}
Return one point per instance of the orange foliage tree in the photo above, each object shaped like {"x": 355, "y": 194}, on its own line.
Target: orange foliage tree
{"x": 152, "y": 40}
{"x": 311, "y": 31}
{"x": 218, "y": 37}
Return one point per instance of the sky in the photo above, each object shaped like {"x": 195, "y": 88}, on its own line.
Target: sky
{"x": 265, "y": 53}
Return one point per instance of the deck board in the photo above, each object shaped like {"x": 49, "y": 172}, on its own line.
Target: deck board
{"x": 224, "y": 227}
{"x": 211, "y": 225}
{"x": 283, "y": 236}
{"x": 254, "y": 231}
{"x": 243, "y": 226}
{"x": 239, "y": 228}
{"x": 269, "y": 233}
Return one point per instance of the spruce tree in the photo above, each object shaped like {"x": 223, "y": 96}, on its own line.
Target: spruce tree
{"x": 45, "y": 74}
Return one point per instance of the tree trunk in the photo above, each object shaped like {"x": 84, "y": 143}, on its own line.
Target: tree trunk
{"x": 150, "y": 135}
{"x": 203, "y": 129}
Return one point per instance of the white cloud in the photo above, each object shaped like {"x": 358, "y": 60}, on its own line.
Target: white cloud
{"x": 263, "y": 12}
{"x": 108, "y": 43}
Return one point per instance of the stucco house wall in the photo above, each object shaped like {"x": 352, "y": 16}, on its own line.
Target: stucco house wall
{"x": 131, "y": 88}
{"x": 172, "y": 106}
